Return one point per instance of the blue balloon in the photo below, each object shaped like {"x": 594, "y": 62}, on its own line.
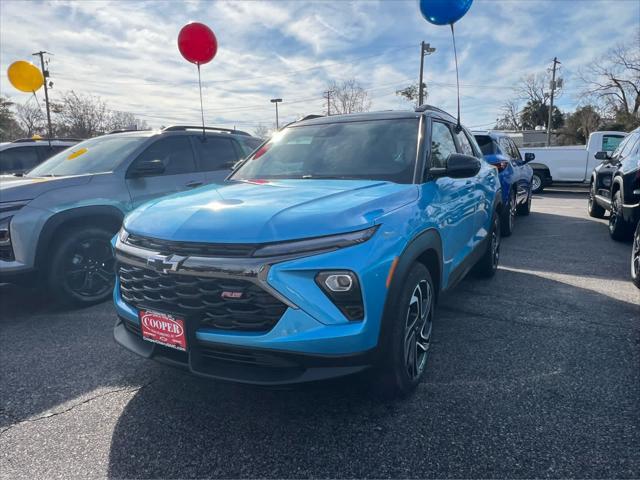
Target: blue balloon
{"x": 444, "y": 12}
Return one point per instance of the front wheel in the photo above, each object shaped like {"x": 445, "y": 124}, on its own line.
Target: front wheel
{"x": 537, "y": 181}
{"x": 403, "y": 363}
{"x": 618, "y": 228}
{"x": 594, "y": 210}
{"x": 509, "y": 216}
{"x": 635, "y": 258}
{"x": 487, "y": 266}
{"x": 81, "y": 271}
{"x": 524, "y": 209}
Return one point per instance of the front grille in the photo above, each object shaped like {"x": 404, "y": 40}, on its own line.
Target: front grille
{"x": 193, "y": 248}
{"x": 201, "y": 299}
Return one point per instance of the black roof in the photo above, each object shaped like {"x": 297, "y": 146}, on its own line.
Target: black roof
{"x": 380, "y": 115}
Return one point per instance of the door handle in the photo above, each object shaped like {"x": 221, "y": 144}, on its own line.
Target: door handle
{"x": 194, "y": 184}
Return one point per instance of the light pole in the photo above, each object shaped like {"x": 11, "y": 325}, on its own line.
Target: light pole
{"x": 425, "y": 49}
{"x": 276, "y": 101}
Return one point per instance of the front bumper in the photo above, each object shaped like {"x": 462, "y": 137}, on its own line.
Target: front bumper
{"x": 311, "y": 341}
{"x": 241, "y": 364}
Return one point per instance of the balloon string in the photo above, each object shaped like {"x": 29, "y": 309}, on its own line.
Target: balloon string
{"x": 201, "y": 105}
{"x": 455, "y": 54}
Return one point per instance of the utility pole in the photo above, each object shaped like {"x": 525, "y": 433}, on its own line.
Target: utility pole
{"x": 276, "y": 101}
{"x": 553, "y": 89}
{"x": 425, "y": 49}
{"x": 327, "y": 95}
{"x": 45, "y": 74}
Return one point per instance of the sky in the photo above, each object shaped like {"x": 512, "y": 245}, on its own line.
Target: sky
{"x": 126, "y": 53}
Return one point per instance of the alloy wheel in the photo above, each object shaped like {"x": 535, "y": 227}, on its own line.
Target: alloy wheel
{"x": 89, "y": 270}
{"x": 635, "y": 257}
{"x": 512, "y": 211}
{"x": 536, "y": 181}
{"x": 613, "y": 216}
{"x": 495, "y": 245}
{"x": 418, "y": 325}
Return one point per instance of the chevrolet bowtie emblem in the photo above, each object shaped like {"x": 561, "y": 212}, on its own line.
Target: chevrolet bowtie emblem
{"x": 165, "y": 263}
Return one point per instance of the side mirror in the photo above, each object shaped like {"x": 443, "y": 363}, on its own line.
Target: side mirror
{"x": 148, "y": 168}
{"x": 529, "y": 157}
{"x": 458, "y": 166}
{"x": 602, "y": 156}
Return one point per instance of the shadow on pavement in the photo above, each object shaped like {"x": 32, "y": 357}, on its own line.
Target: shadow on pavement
{"x": 513, "y": 389}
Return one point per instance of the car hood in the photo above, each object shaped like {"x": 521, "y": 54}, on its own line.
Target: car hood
{"x": 247, "y": 212}
{"x": 14, "y": 188}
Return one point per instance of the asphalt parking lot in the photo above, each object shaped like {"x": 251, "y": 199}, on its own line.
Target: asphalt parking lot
{"x": 535, "y": 373}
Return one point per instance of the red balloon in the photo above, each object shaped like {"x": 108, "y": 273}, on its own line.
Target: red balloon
{"x": 197, "y": 43}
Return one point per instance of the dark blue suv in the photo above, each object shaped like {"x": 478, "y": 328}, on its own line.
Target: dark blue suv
{"x": 323, "y": 254}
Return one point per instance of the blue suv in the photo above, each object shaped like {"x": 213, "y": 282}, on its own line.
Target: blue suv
{"x": 516, "y": 176}
{"x": 323, "y": 254}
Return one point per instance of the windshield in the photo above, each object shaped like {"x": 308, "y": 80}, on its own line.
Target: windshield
{"x": 371, "y": 150}
{"x": 97, "y": 155}
{"x": 486, "y": 144}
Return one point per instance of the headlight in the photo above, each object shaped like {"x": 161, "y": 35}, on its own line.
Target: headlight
{"x": 5, "y": 236}
{"x": 123, "y": 235}
{"x": 12, "y": 206}
{"x": 316, "y": 244}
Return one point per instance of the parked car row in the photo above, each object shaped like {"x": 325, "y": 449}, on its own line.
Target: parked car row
{"x": 615, "y": 188}
{"x": 319, "y": 253}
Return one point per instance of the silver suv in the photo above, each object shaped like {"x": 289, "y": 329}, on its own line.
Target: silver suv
{"x": 57, "y": 220}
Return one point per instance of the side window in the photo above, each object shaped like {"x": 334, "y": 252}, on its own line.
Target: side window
{"x": 505, "y": 146}
{"x": 18, "y": 159}
{"x": 175, "y": 153}
{"x": 515, "y": 153}
{"x": 611, "y": 142}
{"x": 47, "y": 152}
{"x": 442, "y": 144}
{"x": 249, "y": 144}
{"x": 627, "y": 147}
{"x": 216, "y": 153}
{"x": 465, "y": 146}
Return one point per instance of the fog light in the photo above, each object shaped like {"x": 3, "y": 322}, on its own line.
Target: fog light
{"x": 343, "y": 289}
{"x": 339, "y": 282}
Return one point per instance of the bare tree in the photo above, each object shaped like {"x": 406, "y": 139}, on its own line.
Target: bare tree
{"x": 614, "y": 80}
{"x": 412, "y": 94}
{"x": 510, "y": 114}
{"x": 348, "y": 96}
{"x": 9, "y": 127}
{"x": 118, "y": 120}
{"x": 30, "y": 118}
{"x": 262, "y": 131}
{"x": 82, "y": 116}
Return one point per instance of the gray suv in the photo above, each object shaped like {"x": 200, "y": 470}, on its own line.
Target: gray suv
{"x": 57, "y": 220}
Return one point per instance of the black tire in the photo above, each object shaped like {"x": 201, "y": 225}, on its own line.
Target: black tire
{"x": 537, "y": 181}
{"x": 635, "y": 258}
{"x": 487, "y": 266}
{"x": 508, "y": 220}
{"x": 524, "y": 209}
{"x": 81, "y": 271}
{"x": 403, "y": 361}
{"x": 595, "y": 210}
{"x": 618, "y": 228}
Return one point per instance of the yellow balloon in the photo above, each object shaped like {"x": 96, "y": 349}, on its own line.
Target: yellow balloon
{"x": 25, "y": 76}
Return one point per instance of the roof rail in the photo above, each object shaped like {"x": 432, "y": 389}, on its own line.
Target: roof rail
{"x": 424, "y": 108}
{"x": 176, "y": 128}
{"x": 28, "y": 140}
{"x": 309, "y": 117}
{"x": 124, "y": 130}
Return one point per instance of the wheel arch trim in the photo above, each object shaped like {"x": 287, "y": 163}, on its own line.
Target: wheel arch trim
{"x": 60, "y": 219}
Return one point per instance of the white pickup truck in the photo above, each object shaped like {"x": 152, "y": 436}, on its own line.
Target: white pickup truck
{"x": 572, "y": 164}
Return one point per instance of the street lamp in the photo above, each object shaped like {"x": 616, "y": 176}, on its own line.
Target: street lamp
{"x": 276, "y": 101}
